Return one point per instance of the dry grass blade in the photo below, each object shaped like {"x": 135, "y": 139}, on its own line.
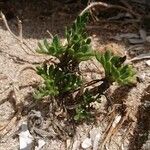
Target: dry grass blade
{"x": 113, "y": 125}
{"x": 8, "y": 126}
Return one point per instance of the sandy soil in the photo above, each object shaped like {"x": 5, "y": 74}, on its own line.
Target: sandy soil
{"x": 37, "y": 18}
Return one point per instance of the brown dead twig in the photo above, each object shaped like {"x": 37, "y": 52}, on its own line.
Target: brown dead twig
{"x": 115, "y": 124}
{"x": 93, "y": 4}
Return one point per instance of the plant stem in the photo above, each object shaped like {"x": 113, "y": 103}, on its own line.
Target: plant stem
{"x": 100, "y": 89}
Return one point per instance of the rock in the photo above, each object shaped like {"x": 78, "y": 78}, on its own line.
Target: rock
{"x": 148, "y": 62}
{"x": 76, "y": 145}
{"x": 96, "y": 141}
{"x": 95, "y": 137}
{"x": 41, "y": 143}
{"x": 25, "y": 138}
{"x": 93, "y": 133}
{"x": 142, "y": 34}
{"x": 86, "y": 143}
{"x": 141, "y": 77}
{"x": 148, "y": 39}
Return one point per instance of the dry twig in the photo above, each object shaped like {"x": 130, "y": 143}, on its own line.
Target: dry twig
{"x": 20, "y": 30}
{"x": 16, "y": 37}
{"x": 93, "y": 4}
{"x": 114, "y": 125}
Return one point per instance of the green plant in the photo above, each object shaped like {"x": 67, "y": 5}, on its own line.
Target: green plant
{"x": 82, "y": 110}
{"x": 77, "y": 47}
{"x": 56, "y": 82}
{"x": 62, "y": 79}
{"x": 63, "y": 76}
{"x": 115, "y": 70}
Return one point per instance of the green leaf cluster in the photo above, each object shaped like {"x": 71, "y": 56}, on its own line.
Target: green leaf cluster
{"x": 82, "y": 111}
{"x": 77, "y": 47}
{"x": 78, "y": 41}
{"x": 81, "y": 114}
{"x": 56, "y": 81}
{"x": 54, "y": 49}
{"x": 63, "y": 77}
{"x": 115, "y": 70}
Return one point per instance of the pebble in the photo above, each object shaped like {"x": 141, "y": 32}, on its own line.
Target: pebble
{"x": 93, "y": 133}
{"x": 86, "y": 143}
{"x": 95, "y": 136}
{"x": 141, "y": 77}
{"x": 148, "y": 62}
{"x": 76, "y": 145}
{"x": 148, "y": 38}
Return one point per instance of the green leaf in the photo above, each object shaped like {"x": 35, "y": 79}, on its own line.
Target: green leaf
{"x": 108, "y": 68}
{"x": 88, "y": 41}
{"x": 56, "y": 41}
{"x": 123, "y": 69}
{"x": 84, "y": 49}
{"x": 41, "y": 49}
{"x": 115, "y": 60}
{"x": 46, "y": 44}
{"x": 103, "y": 61}
{"x": 84, "y": 56}
{"x": 76, "y": 117}
{"x": 52, "y": 51}
{"x": 107, "y": 55}
{"x": 98, "y": 56}
{"x": 115, "y": 72}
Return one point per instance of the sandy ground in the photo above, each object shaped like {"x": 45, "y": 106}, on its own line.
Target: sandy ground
{"x": 36, "y": 21}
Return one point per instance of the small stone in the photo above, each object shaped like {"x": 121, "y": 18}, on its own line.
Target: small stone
{"x": 116, "y": 121}
{"x": 76, "y": 145}
{"x": 148, "y": 62}
{"x": 96, "y": 141}
{"x": 68, "y": 142}
{"x": 141, "y": 77}
{"x": 142, "y": 34}
{"x": 96, "y": 105}
{"x": 148, "y": 38}
{"x": 41, "y": 143}
{"x": 86, "y": 143}
{"x": 93, "y": 133}
{"x": 94, "y": 35}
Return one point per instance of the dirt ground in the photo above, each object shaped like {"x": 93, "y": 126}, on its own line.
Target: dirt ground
{"x": 37, "y": 18}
